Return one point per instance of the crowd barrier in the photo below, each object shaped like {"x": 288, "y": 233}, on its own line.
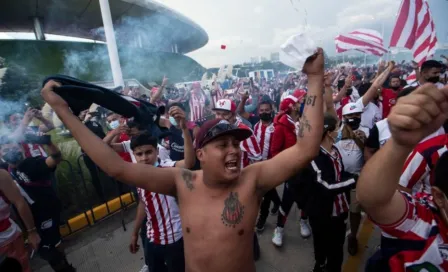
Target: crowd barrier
{"x": 90, "y": 203}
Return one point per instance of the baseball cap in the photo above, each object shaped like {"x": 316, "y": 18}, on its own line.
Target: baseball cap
{"x": 351, "y": 108}
{"x": 216, "y": 128}
{"x": 225, "y": 104}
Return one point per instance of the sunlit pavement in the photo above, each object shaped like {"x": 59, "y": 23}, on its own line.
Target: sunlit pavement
{"x": 105, "y": 247}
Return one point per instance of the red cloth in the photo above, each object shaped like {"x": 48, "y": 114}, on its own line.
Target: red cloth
{"x": 344, "y": 101}
{"x": 284, "y": 135}
{"x": 124, "y": 155}
{"x": 389, "y": 100}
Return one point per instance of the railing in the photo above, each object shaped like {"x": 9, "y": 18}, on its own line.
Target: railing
{"x": 83, "y": 206}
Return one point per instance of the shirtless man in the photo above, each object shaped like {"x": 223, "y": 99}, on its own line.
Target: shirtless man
{"x": 218, "y": 204}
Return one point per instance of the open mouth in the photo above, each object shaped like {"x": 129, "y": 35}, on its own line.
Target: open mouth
{"x": 231, "y": 165}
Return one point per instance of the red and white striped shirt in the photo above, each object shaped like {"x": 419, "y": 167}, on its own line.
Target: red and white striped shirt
{"x": 219, "y": 94}
{"x": 422, "y": 235}
{"x": 263, "y": 133}
{"x": 197, "y": 106}
{"x": 417, "y": 171}
{"x": 8, "y": 229}
{"x": 163, "y": 226}
{"x": 250, "y": 150}
{"x": 33, "y": 150}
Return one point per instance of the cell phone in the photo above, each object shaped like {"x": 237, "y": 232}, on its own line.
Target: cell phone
{"x": 34, "y": 139}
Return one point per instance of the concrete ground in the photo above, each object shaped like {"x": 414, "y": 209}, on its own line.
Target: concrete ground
{"x": 104, "y": 247}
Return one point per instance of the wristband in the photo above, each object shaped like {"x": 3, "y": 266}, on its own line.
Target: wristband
{"x": 31, "y": 229}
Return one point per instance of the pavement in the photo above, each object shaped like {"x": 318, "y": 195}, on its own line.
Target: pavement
{"x": 104, "y": 247}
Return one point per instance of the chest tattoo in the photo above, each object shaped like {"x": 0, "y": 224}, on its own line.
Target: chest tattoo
{"x": 233, "y": 211}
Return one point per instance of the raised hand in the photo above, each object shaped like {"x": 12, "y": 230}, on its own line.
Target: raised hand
{"x": 165, "y": 81}
{"x": 53, "y": 99}
{"x": 314, "y": 65}
{"x": 418, "y": 115}
{"x": 178, "y": 114}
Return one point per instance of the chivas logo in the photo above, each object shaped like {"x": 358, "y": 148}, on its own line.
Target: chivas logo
{"x": 221, "y": 103}
{"x": 233, "y": 211}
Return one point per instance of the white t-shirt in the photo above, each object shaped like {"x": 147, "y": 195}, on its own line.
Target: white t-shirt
{"x": 370, "y": 115}
{"x": 352, "y": 155}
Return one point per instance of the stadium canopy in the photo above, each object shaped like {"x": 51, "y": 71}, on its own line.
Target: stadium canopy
{"x": 145, "y": 23}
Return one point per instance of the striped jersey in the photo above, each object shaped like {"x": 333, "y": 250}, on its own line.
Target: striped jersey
{"x": 264, "y": 133}
{"x": 418, "y": 169}
{"x": 250, "y": 150}
{"x": 33, "y": 150}
{"x": 163, "y": 226}
{"x": 8, "y": 229}
{"x": 197, "y": 106}
{"x": 328, "y": 167}
{"x": 219, "y": 94}
{"x": 422, "y": 236}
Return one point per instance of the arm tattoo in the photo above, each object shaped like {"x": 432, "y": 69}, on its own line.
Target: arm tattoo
{"x": 311, "y": 100}
{"x": 304, "y": 124}
{"x": 187, "y": 176}
{"x": 233, "y": 211}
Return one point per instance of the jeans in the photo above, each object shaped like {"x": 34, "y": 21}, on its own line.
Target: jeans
{"x": 166, "y": 258}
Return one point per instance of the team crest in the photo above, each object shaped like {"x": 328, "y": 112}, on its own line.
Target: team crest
{"x": 233, "y": 211}
{"x": 221, "y": 103}
{"x": 271, "y": 129}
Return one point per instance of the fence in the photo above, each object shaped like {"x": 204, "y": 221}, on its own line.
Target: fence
{"x": 87, "y": 201}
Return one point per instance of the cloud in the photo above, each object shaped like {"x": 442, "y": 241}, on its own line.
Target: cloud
{"x": 258, "y": 9}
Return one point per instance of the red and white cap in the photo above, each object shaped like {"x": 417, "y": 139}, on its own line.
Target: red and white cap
{"x": 225, "y": 104}
{"x": 292, "y": 99}
{"x": 351, "y": 108}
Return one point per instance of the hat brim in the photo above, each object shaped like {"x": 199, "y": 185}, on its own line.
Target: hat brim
{"x": 240, "y": 134}
{"x": 215, "y": 109}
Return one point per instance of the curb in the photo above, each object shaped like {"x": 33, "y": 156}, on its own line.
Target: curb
{"x": 80, "y": 221}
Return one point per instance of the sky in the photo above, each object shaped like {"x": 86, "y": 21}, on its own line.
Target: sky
{"x": 253, "y": 28}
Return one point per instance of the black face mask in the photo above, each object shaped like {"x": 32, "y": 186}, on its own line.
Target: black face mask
{"x": 13, "y": 157}
{"x": 349, "y": 91}
{"x": 266, "y": 116}
{"x": 395, "y": 88}
{"x": 353, "y": 123}
{"x": 433, "y": 79}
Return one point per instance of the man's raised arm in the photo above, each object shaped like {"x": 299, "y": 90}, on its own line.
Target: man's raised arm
{"x": 275, "y": 171}
{"x": 141, "y": 175}
{"x": 412, "y": 119}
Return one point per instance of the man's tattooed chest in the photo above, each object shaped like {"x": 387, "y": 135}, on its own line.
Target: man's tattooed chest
{"x": 233, "y": 211}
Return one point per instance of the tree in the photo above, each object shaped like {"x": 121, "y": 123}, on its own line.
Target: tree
{"x": 19, "y": 85}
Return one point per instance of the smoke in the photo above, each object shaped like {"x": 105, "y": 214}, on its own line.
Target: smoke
{"x": 144, "y": 44}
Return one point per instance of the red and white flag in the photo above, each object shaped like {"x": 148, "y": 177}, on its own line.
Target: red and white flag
{"x": 415, "y": 30}
{"x": 368, "y": 41}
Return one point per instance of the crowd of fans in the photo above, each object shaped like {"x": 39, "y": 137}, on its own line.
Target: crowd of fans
{"x": 342, "y": 141}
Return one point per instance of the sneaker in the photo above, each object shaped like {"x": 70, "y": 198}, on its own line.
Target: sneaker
{"x": 274, "y": 209}
{"x": 144, "y": 268}
{"x": 319, "y": 268}
{"x": 277, "y": 238}
{"x": 260, "y": 224}
{"x": 305, "y": 229}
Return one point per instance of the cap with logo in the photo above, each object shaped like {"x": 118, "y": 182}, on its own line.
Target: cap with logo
{"x": 351, "y": 108}
{"x": 216, "y": 128}
{"x": 226, "y": 105}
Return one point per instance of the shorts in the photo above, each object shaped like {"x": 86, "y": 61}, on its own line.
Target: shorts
{"x": 16, "y": 249}
{"x": 355, "y": 207}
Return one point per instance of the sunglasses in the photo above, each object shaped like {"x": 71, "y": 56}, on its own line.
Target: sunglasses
{"x": 216, "y": 130}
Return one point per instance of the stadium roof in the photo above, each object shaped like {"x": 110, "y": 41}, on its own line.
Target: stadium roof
{"x": 151, "y": 20}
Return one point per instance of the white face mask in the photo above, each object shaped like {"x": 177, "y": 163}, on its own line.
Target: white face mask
{"x": 114, "y": 124}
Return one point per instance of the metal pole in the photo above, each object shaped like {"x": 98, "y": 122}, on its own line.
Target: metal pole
{"x": 111, "y": 43}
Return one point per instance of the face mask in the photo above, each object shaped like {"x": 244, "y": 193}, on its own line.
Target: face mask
{"x": 13, "y": 157}
{"x": 173, "y": 121}
{"x": 395, "y": 88}
{"x": 353, "y": 123}
{"x": 114, "y": 124}
{"x": 265, "y": 116}
{"x": 433, "y": 79}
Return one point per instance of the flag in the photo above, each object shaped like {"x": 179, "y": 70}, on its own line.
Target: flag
{"x": 364, "y": 40}
{"x": 415, "y": 30}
